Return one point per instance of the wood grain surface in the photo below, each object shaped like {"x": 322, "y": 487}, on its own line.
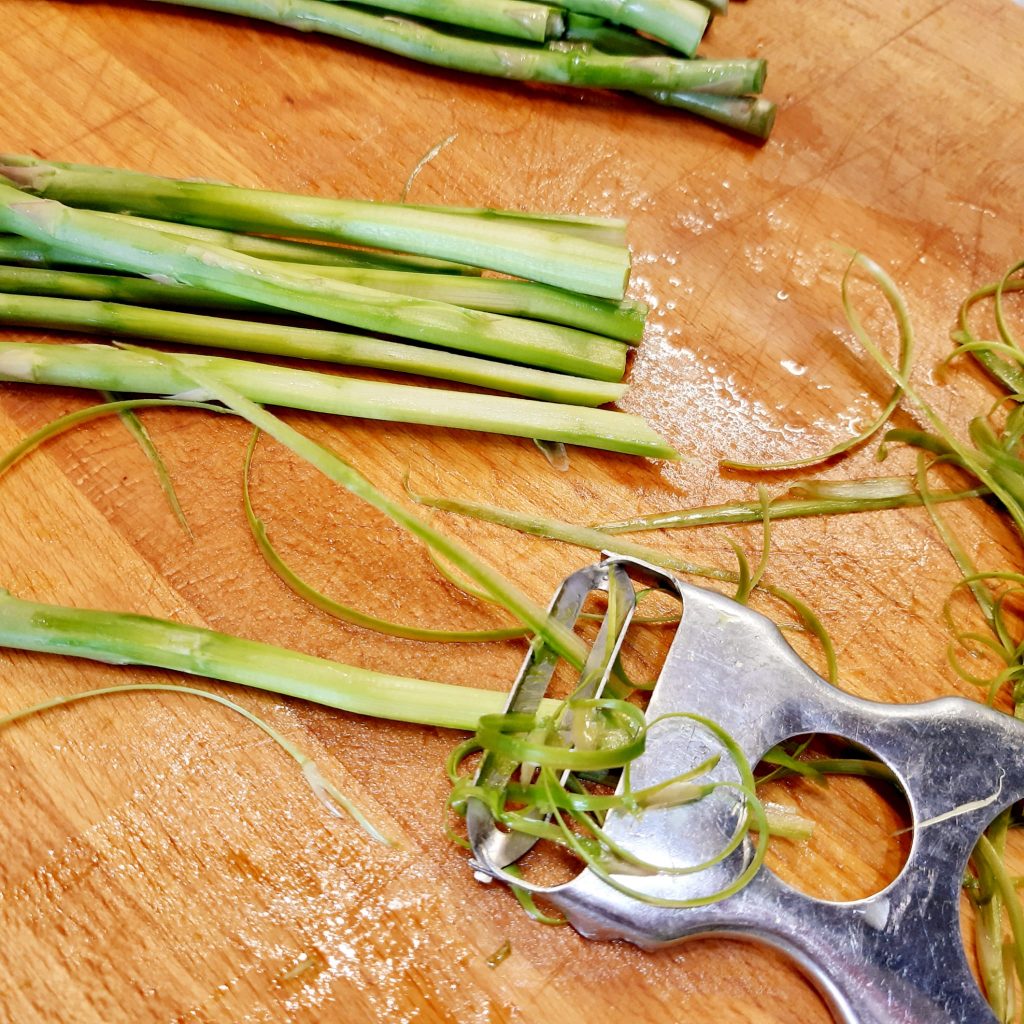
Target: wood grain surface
{"x": 162, "y": 861}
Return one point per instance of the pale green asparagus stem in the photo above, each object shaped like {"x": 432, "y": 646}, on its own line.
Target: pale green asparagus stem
{"x": 623, "y": 321}
{"x": 142, "y": 250}
{"x": 680, "y": 23}
{"x": 510, "y": 245}
{"x": 107, "y": 318}
{"x": 516, "y": 18}
{"x": 420, "y": 41}
{"x": 753, "y": 115}
{"x": 112, "y": 369}
{"x": 137, "y": 640}
{"x": 137, "y": 291}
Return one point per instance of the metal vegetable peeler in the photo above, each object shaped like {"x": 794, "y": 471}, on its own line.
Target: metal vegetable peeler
{"x": 894, "y": 958}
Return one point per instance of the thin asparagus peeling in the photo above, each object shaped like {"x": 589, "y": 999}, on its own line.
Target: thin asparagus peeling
{"x": 326, "y": 792}
{"x": 113, "y": 369}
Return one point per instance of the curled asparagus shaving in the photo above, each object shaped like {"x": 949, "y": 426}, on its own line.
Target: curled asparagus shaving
{"x": 809, "y": 498}
{"x": 346, "y": 612}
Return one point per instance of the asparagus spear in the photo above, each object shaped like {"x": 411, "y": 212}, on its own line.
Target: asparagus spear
{"x": 97, "y": 317}
{"x": 509, "y": 245}
{"x": 516, "y": 18}
{"x": 680, "y": 23}
{"x": 142, "y": 250}
{"x": 22, "y": 250}
{"x": 753, "y": 115}
{"x": 621, "y": 320}
{"x": 138, "y": 640}
{"x": 419, "y": 41}
{"x": 110, "y": 369}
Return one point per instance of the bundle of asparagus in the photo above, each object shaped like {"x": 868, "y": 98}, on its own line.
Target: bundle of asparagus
{"x": 642, "y": 47}
{"x": 559, "y": 337}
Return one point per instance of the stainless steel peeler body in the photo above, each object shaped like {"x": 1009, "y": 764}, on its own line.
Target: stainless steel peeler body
{"x": 894, "y": 958}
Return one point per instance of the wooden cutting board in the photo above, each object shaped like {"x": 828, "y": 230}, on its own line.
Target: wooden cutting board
{"x": 160, "y": 860}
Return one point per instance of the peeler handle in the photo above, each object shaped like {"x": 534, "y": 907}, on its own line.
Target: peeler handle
{"x": 894, "y": 958}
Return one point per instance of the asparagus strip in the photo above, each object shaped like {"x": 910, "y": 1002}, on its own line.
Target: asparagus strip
{"x": 301, "y": 343}
{"x": 785, "y": 507}
{"x": 515, "y": 18}
{"x": 140, "y": 249}
{"x": 623, "y": 321}
{"x": 138, "y": 640}
{"x": 509, "y": 245}
{"x": 680, "y": 23}
{"x": 112, "y": 369}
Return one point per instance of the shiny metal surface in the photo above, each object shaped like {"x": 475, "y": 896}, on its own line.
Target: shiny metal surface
{"x": 893, "y": 958}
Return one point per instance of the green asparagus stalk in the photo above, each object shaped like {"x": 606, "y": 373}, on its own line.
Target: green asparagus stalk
{"x": 421, "y": 42}
{"x": 138, "y": 291}
{"x": 753, "y": 115}
{"x": 283, "y": 251}
{"x": 97, "y": 317}
{"x": 137, "y": 640}
{"x": 680, "y": 23}
{"x": 515, "y": 18}
{"x": 142, "y": 250}
{"x": 111, "y": 369}
{"x": 23, "y": 250}
{"x": 510, "y": 245}
{"x": 623, "y": 321}
{"x": 749, "y": 114}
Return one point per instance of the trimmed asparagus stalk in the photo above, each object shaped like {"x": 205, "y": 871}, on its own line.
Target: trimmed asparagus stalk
{"x": 623, "y": 321}
{"x": 137, "y": 640}
{"x": 97, "y": 317}
{"x": 142, "y": 250}
{"x": 609, "y": 230}
{"x": 138, "y": 291}
{"x": 509, "y": 245}
{"x": 680, "y": 23}
{"x": 515, "y": 18}
{"x": 753, "y": 115}
{"x": 312, "y": 253}
{"x": 111, "y": 369}
{"x": 421, "y": 42}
